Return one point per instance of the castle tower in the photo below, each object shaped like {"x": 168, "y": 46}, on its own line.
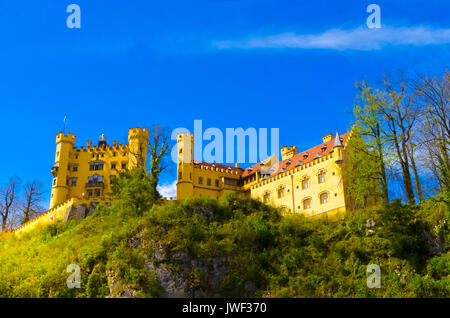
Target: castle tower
{"x": 60, "y": 188}
{"x": 185, "y": 166}
{"x": 137, "y": 143}
{"x": 338, "y": 148}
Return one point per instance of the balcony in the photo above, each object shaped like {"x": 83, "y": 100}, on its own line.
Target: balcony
{"x": 54, "y": 171}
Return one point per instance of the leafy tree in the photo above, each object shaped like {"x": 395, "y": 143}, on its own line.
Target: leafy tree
{"x": 360, "y": 174}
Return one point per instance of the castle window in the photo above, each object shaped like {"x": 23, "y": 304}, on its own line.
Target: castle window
{"x": 307, "y": 204}
{"x": 54, "y": 181}
{"x": 98, "y": 193}
{"x": 68, "y": 167}
{"x": 74, "y": 182}
{"x": 111, "y": 179}
{"x": 96, "y": 166}
{"x": 124, "y": 165}
{"x": 114, "y": 154}
{"x": 180, "y": 175}
{"x": 76, "y": 156}
{"x": 266, "y": 197}
{"x": 229, "y": 181}
{"x": 280, "y": 192}
{"x": 95, "y": 179}
{"x": 208, "y": 182}
{"x": 90, "y": 193}
{"x": 217, "y": 183}
{"x": 305, "y": 183}
{"x": 75, "y": 168}
{"x": 324, "y": 198}
{"x": 321, "y": 176}
{"x": 67, "y": 181}
{"x": 113, "y": 165}
{"x": 200, "y": 180}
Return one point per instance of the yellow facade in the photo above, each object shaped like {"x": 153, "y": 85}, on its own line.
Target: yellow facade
{"x": 87, "y": 172}
{"x": 309, "y": 182}
{"x": 83, "y": 175}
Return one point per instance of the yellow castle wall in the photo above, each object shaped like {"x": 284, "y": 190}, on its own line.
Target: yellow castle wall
{"x": 67, "y": 157}
{"x": 65, "y": 194}
{"x": 294, "y": 195}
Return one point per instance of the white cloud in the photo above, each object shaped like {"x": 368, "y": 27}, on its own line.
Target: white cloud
{"x": 361, "y": 38}
{"x": 168, "y": 190}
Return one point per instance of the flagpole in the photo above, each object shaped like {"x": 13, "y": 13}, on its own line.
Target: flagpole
{"x": 65, "y": 118}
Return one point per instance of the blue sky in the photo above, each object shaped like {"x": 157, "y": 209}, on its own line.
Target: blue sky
{"x": 284, "y": 64}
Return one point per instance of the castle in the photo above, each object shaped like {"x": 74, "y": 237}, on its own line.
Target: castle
{"x": 309, "y": 182}
{"x": 82, "y": 176}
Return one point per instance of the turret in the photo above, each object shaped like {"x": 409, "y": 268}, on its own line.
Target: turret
{"x": 338, "y": 148}
{"x": 137, "y": 147}
{"x": 185, "y": 166}
{"x": 60, "y": 188}
{"x": 102, "y": 141}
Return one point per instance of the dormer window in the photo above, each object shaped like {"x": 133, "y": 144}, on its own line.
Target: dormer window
{"x": 305, "y": 155}
{"x": 288, "y": 162}
{"x": 324, "y": 147}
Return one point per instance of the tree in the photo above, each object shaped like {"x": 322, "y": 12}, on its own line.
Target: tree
{"x": 368, "y": 124}
{"x": 158, "y": 144}
{"x": 360, "y": 174}
{"x": 31, "y": 204}
{"x": 434, "y": 95}
{"x": 8, "y": 203}
{"x": 400, "y": 113}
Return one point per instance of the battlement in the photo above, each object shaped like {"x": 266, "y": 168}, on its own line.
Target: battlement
{"x": 138, "y": 132}
{"x": 61, "y": 137}
{"x": 185, "y": 136}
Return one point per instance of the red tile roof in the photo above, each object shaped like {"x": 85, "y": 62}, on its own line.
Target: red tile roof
{"x": 312, "y": 153}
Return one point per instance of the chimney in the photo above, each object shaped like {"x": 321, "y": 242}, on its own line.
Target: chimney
{"x": 327, "y": 138}
{"x": 288, "y": 152}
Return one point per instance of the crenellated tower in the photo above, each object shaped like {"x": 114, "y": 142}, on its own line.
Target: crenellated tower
{"x": 185, "y": 166}
{"x": 137, "y": 147}
{"x": 60, "y": 186}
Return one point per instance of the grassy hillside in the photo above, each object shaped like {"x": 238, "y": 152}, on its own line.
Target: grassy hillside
{"x": 231, "y": 247}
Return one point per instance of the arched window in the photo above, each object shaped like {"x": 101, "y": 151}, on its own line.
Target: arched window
{"x": 324, "y": 198}
{"x": 305, "y": 183}
{"x": 280, "y": 191}
{"x": 321, "y": 176}
{"x": 307, "y": 204}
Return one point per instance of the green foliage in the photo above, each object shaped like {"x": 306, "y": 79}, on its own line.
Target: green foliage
{"x": 361, "y": 174}
{"x": 133, "y": 191}
{"x": 249, "y": 247}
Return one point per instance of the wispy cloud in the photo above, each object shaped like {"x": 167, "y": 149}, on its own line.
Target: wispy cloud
{"x": 168, "y": 190}
{"x": 361, "y": 39}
